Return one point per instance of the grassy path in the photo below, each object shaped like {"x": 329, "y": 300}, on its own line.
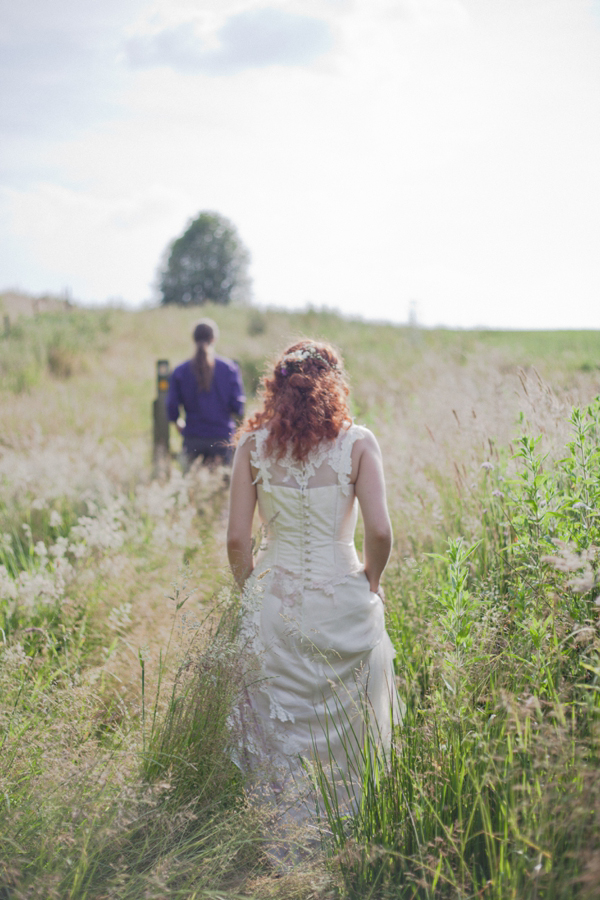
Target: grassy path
{"x": 500, "y": 676}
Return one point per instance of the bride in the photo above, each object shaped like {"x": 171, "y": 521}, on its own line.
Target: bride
{"x": 313, "y": 613}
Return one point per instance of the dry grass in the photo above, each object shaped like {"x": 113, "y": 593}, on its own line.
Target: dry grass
{"x": 440, "y": 403}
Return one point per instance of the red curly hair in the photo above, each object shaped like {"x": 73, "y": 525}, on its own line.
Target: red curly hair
{"x": 304, "y": 400}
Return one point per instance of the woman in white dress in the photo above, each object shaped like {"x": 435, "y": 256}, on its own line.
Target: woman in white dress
{"x": 313, "y": 613}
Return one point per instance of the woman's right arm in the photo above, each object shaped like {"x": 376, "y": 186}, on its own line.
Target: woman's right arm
{"x": 242, "y": 502}
{"x": 370, "y": 491}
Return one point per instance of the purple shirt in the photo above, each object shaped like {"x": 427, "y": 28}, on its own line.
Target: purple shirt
{"x": 208, "y": 414}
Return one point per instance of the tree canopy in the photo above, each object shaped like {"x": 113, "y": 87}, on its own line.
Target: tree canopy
{"x": 208, "y": 263}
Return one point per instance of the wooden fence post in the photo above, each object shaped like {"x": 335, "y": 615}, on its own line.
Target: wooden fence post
{"x": 160, "y": 452}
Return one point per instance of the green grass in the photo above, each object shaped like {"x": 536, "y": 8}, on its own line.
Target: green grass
{"x": 115, "y": 772}
{"x": 58, "y": 345}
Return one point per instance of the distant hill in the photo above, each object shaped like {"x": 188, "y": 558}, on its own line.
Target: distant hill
{"x": 14, "y": 304}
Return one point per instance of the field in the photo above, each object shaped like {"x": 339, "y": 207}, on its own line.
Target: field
{"x": 119, "y": 660}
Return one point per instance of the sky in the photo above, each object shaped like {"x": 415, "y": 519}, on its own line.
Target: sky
{"x": 375, "y": 156}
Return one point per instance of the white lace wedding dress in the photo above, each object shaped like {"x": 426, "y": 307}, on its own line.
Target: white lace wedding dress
{"x": 323, "y": 661}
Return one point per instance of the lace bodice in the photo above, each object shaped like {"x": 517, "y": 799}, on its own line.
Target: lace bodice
{"x": 328, "y": 464}
{"x": 308, "y": 510}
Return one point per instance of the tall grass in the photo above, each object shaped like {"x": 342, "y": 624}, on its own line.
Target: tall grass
{"x": 116, "y": 777}
{"x": 146, "y": 806}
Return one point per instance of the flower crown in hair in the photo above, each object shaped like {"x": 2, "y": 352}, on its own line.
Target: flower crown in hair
{"x": 292, "y": 359}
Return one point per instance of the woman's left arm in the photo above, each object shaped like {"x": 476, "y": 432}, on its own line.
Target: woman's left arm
{"x": 242, "y": 502}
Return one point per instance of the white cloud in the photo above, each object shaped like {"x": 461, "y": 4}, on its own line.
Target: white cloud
{"x": 250, "y": 39}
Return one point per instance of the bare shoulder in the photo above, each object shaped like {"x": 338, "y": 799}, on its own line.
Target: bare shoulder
{"x": 242, "y": 477}
{"x": 365, "y": 441}
{"x": 246, "y": 453}
{"x": 365, "y": 447}
{"x": 242, "y": 456}
{"x": 245, "y": 440}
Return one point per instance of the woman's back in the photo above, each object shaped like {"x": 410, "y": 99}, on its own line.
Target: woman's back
{"x": 308, "y": 508}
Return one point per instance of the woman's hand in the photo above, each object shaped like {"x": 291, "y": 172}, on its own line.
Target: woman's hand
{"x": 376, "y": 588}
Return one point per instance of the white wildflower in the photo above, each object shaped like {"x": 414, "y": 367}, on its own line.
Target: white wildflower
{"x": 27, "y": 529}
{"x": 40, "y": 550}
{"x": 104, "y": 532}
{"x": 584, "y": 635}
{"x": 488, "y": 466}
{"x": 119, "y": 617}
{"x": 78, "y": 550}
{"x": 161, "y": 533}
{"x": 584, "y": 583}
{"x": 567, "y": 559}
{"x": 38, "y": 503}
{"x": 145, "y": 655}
{"x": 55, "y": 519}
{"x": 14, "y": 657}
{"x": 36, "y": 588}
{"x": 59, "y": 548}
{"x": 63, "y": 573}
{"x": 114, "y": 566}
{"x": 180, "y": 530}
{"x": 6, "y": 542}
{"x": 8, "y": 588}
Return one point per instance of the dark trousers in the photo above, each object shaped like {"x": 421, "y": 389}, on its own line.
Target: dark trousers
{"x": 211, "y": 449}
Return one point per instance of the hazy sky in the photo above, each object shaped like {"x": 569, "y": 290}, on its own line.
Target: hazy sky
{"x": 370, "y": 152}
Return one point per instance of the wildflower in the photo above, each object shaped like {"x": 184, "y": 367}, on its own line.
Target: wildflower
{"x": 78, "y": 550}
{"x": 6, "y": 542}
{"x": 36, "y": 588}
{"x": 14, "y": 657}
{"x": 498, "y": 494}
{"x": 8, "y": 589}
{"x": 26, "y": 528}
{"x": 38, "y": 503}
{"x": 488, "y": 466}
{"x": 144, "y": 654}
{"x": 59, "y": 548}
{"x": 584, "y": 583}
{"x": 40, "y": 550}
{"x": 567, "y": 559}
{"x": 119, "y": 617}
{"x": 55, "y": 519}
{"x": 584, "y": 635}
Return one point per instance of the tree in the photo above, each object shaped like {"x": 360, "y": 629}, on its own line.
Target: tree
{"x": 208, "y": 263}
